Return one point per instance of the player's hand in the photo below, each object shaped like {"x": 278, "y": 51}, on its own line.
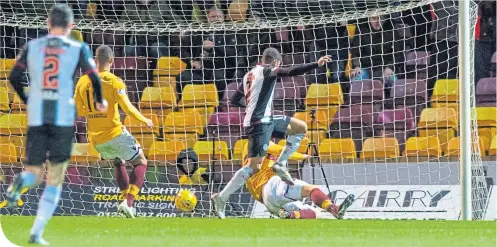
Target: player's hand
{"x": 387, "y": 72}
{"x": 208, "y": 44}
{"x": 354, "y": 72}
{"x": 102, "y": 107}
{"x": 149, "y": 123}
{"x": 324, "y": 60}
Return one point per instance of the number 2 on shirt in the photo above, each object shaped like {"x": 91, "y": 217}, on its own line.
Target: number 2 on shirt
{"x": 51, "y": 73}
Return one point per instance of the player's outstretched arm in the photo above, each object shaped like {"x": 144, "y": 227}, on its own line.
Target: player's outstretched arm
{"x": 302, "y": 68}
{"x": 123, "y": 101}
{"x": 16, "y": 75}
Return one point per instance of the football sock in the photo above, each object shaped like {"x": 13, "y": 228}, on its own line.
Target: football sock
{"x": 292, "y": 144}
{"x": 46, "y": 208}
{"x": 303, "y": 214}
{"x": 236, "y": 182}
{"x": 320, "y": 199}
{"x": 122, "y": 178}
{"x": 136, "y": 181}
{"x": 28, "y": 179}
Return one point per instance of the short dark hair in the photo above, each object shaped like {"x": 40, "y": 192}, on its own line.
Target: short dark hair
{"x": 270, "y": 55}
{"x": 104, "y": 54}
{"x": 61, "y": 16}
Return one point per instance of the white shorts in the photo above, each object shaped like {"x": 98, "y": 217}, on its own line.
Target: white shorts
{"x": 276, "y": 193}
{"x": 123, "y": 146}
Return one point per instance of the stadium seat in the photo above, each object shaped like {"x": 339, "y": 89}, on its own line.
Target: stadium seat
{"x": 446, "y": 94}
{"x": 211, "y": 150}
{"x": 337, "y": 148}
{"x": 76, "y": 35}
{"x": 238, "y": 149}
{"x": 453, "y": 147}
{"x": 200, "y": 96}
{"x": 303, "y": 145}
{"x": 367, "y": 92}
{"x": 487, "y": 124}
{"x": 321, "y": 119}
{"x": 6, "y": 66}
{"x": 410, "y": 93}
{"x": 226, "y": 126}
{"x": 439, "y": 122}
{"x": 237, "y": 10}
{"x": 285, "y": 98}
{"x": 19, "y": 142}
{"x": 166, "y": 150}
{"x": 131, "y": 68}
{"x": 84, "y": 152}
{"x": 353, "y": 122}
{"x": 8, "y": 153}
{"x": 486, "y": 92}
{"x": 18, "y": 105}
{"x": 91, "y": 10}
{"x": 143, "y": 135}
{"x": 423, "y": 147}
{"x": 416, "y": 64}
{"x": 13, "y": 124}
{"x": 158, "y": 101}
{"x": 183, "y": 126}
{"x": 380, "y": 148}
{"x": 396, "y": 123}
{"x": 165, "y": 81}
{"x": 323, "y": 95}
{"x": 492, "y": 151}
{"x": 169, "y": 66}
{"x": 351, "y": 29}
{"x": 4, "y": 99}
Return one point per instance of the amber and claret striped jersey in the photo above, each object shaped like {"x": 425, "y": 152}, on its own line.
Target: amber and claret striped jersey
{"x": 256, "y": 182}
{"x": 103, "y": 127}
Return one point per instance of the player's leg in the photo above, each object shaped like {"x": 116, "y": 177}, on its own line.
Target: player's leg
{"x": 36, "y": 149}
{"x": 295, "y": 130}
{"x": 259, "y": 136}
{"x": 59, "y": 145}
{"x": 320, "y": 199}
{"x": 297, "y": 210}
{"x": 121, "y": 175}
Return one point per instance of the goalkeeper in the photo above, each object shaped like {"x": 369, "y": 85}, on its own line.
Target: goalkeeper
{"x": 282, "y": 199}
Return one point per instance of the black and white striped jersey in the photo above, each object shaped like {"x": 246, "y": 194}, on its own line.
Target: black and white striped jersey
{"x": 258, "y": 89}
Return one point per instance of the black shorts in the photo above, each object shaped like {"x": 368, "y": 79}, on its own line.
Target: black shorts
{"x": 48, "y": 142}
{"x": 259, "y": 135}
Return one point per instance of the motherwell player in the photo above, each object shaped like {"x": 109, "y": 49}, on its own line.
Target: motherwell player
{"x": 283, "y": 199}
{"x": 106, "y": 132}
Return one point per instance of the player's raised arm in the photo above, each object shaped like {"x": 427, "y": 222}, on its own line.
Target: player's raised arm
{"x": 78, "y": 99}
{"x": 123, "y": 101}
{"x": 238, "y": 99}
{"x": 16, "y": 75}
{"x": 87, "y": 64}
{"x": 302, "y": 68}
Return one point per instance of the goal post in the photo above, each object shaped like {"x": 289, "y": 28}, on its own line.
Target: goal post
{"x": 394, "y": 118}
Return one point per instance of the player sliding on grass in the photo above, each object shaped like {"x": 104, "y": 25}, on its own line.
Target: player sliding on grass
{"x": 284, "y": 200}
{"x": 107, "y": 134}
{"x": 260, "y": 124}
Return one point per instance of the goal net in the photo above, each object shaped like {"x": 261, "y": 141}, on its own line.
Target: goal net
{"x": 383, "y": 116}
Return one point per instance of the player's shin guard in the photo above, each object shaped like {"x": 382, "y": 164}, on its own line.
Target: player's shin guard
{"x": 136, "y": 181}
{"x": 292, "y": 144}
{"x": 28, "y": 179}
{"x": 236, "y": 182}
{"x": 320, "y": 199}
{"x": 121, "y": 174}
{"x": 46, "y": 208}
{"x": 303, "y": 214}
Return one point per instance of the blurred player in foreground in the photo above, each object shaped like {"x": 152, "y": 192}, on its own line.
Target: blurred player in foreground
{"x": 51, "y": 62}
{"x": 260, "y": 124}
{"x": 106, "y": 132}
{"x": 284, "y": 200}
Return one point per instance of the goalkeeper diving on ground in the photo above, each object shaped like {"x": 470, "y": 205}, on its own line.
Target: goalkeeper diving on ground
{"x": 284, "y": 200}
{"x": 106, "y": 132}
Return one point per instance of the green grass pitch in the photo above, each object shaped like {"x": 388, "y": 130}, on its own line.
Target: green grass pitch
{"x": 186, "y": 232}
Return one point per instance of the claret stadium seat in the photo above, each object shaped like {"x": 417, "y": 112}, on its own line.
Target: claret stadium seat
{"x": 226, "y": 126}
{"x": 410, "y": 93}
{"x": 439, "y": 122}
{"x": 380, "y": 148}
{"x": 397, "y": 123}
{"x": 486, "y": 92}
{"x": 367, "y": 92}
{"x": 353, "y": 122}
{"x": 423, "y": 147}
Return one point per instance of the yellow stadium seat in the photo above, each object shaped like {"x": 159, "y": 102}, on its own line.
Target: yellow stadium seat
{"x": 303, "y": 145}
{"x": 13, "y": 124}
{"x": 200, "y": 96}
{"x": 182, "y": 122}
{"x": 351, "y": 28}
{"x": 8, "y": 153}
{"x": 166, "y": 150}
{"x": 188, "y": 138}
{"x": 316, "y": 135}
{"x": 423, "y": 147}
{"x": 322, "y": 121}
{"x": 6, "y": 66}
{"x": 453, "y": 148}
{"x": 238, "y": 149}
{"x": 439, "y": 122}
{"x": 380, "y": 148}
{"x": 18, "y": 105}
{"x": 158, "y": 101}
{"x": 208, "y": 150}
{"x": 492, "y": 151}
{"x": 18, "y": 141}
{"x": 4, "y": 99}
{"x": 237, "y": 10}
{"x": 487, "y": 124}
{"x": 324, "y": 95}
{"x": 84, "y": 152}
{"x": 76, "y": 35}
{"x": 165, "y": 81}
{"x": 348, "y": 66}
{"x": 445, "y": 91}
{"x": 136, "y": 127}
{"x": 337, "y": 148}
{"x": 169, "y": 66}
{"x": 91, "y": 11}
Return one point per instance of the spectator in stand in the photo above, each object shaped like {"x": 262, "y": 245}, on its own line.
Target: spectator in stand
{"x": 374, "y": 53}
{"x": 212, "y": 57}
{"x": 485, "y": 36}
{"x": 444, "y": 48}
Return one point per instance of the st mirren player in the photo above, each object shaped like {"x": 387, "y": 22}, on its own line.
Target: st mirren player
{"x": 260, "y": 124}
